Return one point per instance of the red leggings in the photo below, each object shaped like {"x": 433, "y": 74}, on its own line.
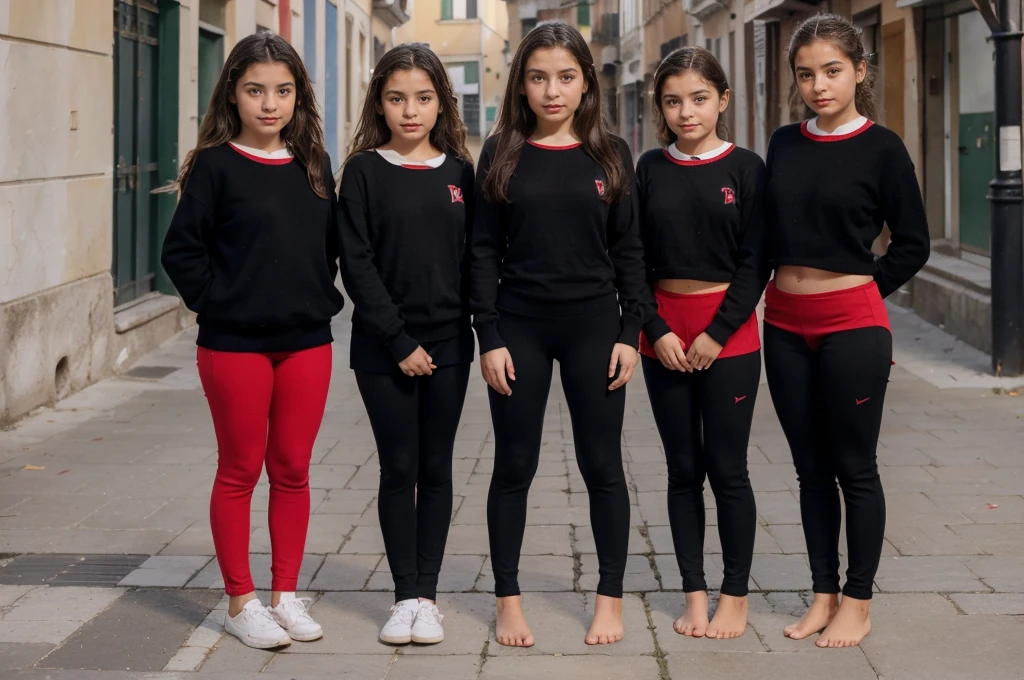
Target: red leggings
{"x": 265, "y": 407}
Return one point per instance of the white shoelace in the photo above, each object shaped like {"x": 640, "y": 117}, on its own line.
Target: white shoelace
{"x": 433, "y": 613}
{"x": 297, "y": 608}
{"x": 260, "y": 617}
{"x": 401, "y": 614}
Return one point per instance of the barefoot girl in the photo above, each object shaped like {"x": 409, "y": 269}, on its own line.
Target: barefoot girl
{"x": 557, "y": 273}
{"x": 701, "y": 222}
{"x": 833, "y": 181}
{"x": 403, "y": 210}
{"x": 252, "y": 249}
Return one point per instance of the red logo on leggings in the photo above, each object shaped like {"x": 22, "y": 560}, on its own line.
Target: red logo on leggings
{"x": 730, "y": 196}
{"x": 739, "y": 399}
{"x": 861, "y": 401}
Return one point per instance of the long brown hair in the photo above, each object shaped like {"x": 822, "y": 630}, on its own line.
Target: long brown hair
{"x": 449, "y": 132}
{"x": 846, "y": 38}
{"x": 303, "y": 134}
{"x": 516, "y": 121}
{"x": 680, "y": 61}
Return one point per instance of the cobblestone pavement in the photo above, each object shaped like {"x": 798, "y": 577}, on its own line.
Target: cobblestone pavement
{"x": 107, "y": 566}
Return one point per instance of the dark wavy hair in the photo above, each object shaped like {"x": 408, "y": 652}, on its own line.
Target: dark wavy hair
{"x": 448, "y": 134}
{"x": 846, "y": 38}
{"x": 677, "y": 63}
{"x": 303, "y": 134}
{"x": 516, "y": 121}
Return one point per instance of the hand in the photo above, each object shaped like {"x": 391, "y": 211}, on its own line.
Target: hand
{"x": 703, "y": 351}
{"x": 672, "y": 353}
{"x": 417, "y": 363}
{"x": 495, "y": 365}
{"x": 626, "y": 358}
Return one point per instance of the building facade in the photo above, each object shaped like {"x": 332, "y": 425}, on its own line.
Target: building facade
{"x": 102, "y": 100}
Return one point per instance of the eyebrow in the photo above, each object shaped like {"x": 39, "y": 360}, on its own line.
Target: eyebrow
{"x": 571, "y": 69}
{"x": 403, "y": 94}
{"x": 248, "y": 83}
{"x": 834, "y": 62}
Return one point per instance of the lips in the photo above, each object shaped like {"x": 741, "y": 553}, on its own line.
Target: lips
{"x": 553, "y": 108}
{"x": 822, "y": 102}
{"x": 269, "y": 121}
{"x": 411, "y": 127}
{"x": 690, "y": 128}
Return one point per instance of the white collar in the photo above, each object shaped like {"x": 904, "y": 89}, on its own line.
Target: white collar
{"x": 396, "y": 158}
{"x": 260, "y": 153}
{"x": 845, "y": 129}
{"x": 674, "y": 151}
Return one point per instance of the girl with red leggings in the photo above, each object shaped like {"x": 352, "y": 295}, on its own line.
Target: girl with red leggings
{"x": 252, "y": 249}
{"x": 833, "y": 181}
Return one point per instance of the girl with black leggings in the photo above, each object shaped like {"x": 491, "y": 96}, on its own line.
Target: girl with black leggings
{"x": 700, "y": 217}
{"x": 833, "y": 181}
{"x": 404, "y": 210}
{"x": 557, "y": 274}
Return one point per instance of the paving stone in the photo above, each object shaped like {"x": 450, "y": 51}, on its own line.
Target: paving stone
{"x": 585, "y": 541}
{"x": 780, "y": 572}
{"x": 994, "y": 539}
{"x": 187, "y": 659}
{"x": 365, "y": 540}
{"x": 18, "y": 655}
{"x": 345, "y": 572}
{"x": 926, "y": 574}
{"x": 928, "y": 540}
{"x": 59, "y": 604}
{"x": 990, "y": 603}
{"x": 977, "y": 508}
{"x": 325, "y": 535}
{"x": 330, "y": 476}
{"x": 537, "y": 573}
{"x": 345, "y": 502}
{"x": 142, "y": 631}
{"x": 667, "y": 607}
{"x": 847, "y": 664}
{"x": 232, "y": 657}
{"x": 778, "y": 507}
{"x": 37, "y": 632}
{"x": 259, "y": 564}
{"x": 471, "y": 539}
{"x": 1002, "y": 574}
{"x": 11, "y": 594}
{"x": 355, "y": 666}
{"x": 639, "y": 575}
{"x": 420, "y": 667}
{"x": 165, "y": 571}
{"x": 351, "y": 623}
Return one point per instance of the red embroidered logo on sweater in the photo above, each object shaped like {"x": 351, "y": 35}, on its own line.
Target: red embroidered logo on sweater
{"x": 600, "y": 187}
{"x": 730, "y": 197}
{"x": 456, "y": 193}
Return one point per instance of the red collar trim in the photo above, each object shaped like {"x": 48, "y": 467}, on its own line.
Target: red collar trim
{"x": 265, "y": 161}
{"x": 703, "y": 162}
{"x": 409, "y": 166}
{"x": 834, "y": 138}
{"x": 554, "y": 148}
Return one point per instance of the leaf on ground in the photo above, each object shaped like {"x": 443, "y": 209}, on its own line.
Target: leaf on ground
{"x": 63, "y": 472}
{"x": 992, "y": 506}
{"x": 34, "y": 467}
{"x": 98, "y": 439}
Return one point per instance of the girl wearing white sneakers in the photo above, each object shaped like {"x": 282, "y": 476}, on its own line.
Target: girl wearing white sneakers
{"x": 403, "y": 209}
{"x": 252, "y": 249}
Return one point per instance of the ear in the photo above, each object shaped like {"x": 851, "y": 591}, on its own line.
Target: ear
{"x": 862, "y": 71}
{"x": 723, "y": 101}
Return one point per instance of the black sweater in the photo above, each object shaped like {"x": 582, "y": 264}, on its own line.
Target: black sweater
{"x": 253, "y": 251}
{"x": 403, "y": 234}
{"x": 703, "y": 220}
{"x": 829, "y": 196}
{"x": 557, "y": 247}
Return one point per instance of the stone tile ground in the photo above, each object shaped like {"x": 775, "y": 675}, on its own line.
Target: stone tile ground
{"x": 125, "y": 468}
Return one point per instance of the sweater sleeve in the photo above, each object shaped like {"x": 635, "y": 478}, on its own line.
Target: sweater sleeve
{"x": 487, "y": 248}
{"x": 904, "y": 213}
{"x": 627, "y": 255}
{"x": 656, "y": 327}
{"x": 185, "y": 255}
{"x": 752, "y": 271}
{"x": 359, "y": 274}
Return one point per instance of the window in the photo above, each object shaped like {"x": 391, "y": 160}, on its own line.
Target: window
{"x": 458, "y": 9}
{"x": 583, "y": 13}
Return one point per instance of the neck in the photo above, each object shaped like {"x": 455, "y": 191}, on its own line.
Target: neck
{"x": 555, "y": 134}
{"x": 268, "y": 143}
{"x": 830, "y": 123}
{"x": 415, "y": 150}
{"x": 709, "y": 143}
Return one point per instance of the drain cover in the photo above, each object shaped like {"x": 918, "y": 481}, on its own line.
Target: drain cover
{"x": 151, "y": 372}
{"x": 69, "y": 570}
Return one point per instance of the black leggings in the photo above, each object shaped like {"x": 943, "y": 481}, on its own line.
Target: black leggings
{"x": 414, "y": 421}
{"x": 829, "y": 403}
{"x": 704, "y": 420}
{"x": 583, "y": 348}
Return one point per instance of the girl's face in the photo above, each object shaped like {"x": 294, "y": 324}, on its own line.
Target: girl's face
{"x": 553, "y": 84}
{"x": 410, "y": 105}
{"x": 827, "y": 78}
{"x": 691, "y": 106}
{"x": 265, "y": 97}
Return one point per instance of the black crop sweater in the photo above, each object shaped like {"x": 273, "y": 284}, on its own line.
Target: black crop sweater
{"x": 253, "y": 250}
{"x": 557, "y": 249}
{"x": 403, "y": 234}
{"x": 828, "y": 197}
{"x": 703, "y": 220}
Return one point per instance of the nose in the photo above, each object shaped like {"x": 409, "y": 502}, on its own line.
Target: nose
{"x": 269, "y": 103}
{"x": 820, "y": 83}
{"x": 551, "y": 91}
{"x": 409, "y": 110}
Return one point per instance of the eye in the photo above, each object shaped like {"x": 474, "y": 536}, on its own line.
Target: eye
{"x": 671, "y": 102}
{"x": 395, "y": 100}
{"x": 284, "y": 91}
{"x": 425, "y": 99}
{"x": 537, "y": 78}
{"x": 805, "y": 75}
{"x": 254, "y": 91}
{"x": 833, "y": 71}
{"x": 568, "y": 77}
{"x": 700, "y": 99}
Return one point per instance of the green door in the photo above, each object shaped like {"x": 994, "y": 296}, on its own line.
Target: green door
{"x": 136, "y": 33}
{"x": 977, "y": 169}
{"x": 211, "y": 59}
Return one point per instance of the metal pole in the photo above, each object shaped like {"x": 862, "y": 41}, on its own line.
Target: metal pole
{"x": 1005, "y": 195}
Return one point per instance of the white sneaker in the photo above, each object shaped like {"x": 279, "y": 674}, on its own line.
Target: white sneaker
{"x": 255, "y": 627}
{"x": 427, "y": 629}
{"x": 290, "y": 613}
{"x": 398, "y": 629}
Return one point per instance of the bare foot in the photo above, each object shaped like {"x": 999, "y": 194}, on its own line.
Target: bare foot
{"x": 694, "y": 621}
{"x": 818, "y": 615}
{"x": 607, "y": 625}
{"x": 511, "y": 629}
{"x": 730, "y": 620}
{"x": 850, "y": 625}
